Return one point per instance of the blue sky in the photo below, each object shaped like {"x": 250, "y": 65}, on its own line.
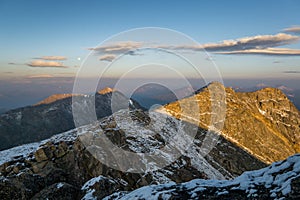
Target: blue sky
{"x": 33, "y": 29}
{"x": 44, "y": 43}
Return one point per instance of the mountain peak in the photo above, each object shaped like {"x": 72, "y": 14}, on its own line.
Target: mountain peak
{"x": 53, "y": 98}
{"x": 264, "y": 122}
{"x": 269, "y": 93}
{"x": 106, "y": 90}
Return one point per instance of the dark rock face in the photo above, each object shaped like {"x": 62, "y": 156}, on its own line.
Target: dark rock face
{"x": 35, "y": 123}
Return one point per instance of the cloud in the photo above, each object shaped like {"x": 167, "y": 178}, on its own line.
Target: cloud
{"x": 259, "y": 44}
{"x": 254, "y": 42}
{"x": 267, "y": 51}
{"x": 117, "y": 48}
{"x": 41, "y": 76}
{"x": 293, "y": 29}
{"x": 292, "y": 72}
{"x": 13, "y": 63}
{"x": 107, "y": 57}
{"x": 41, "y": 63}
{"x": 52, "y": 58}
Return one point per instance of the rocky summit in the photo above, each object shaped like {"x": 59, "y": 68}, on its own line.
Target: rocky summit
{"x": 264, "y": 123}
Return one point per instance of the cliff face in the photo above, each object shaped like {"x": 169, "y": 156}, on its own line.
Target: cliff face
{"x": 264, "y": 123}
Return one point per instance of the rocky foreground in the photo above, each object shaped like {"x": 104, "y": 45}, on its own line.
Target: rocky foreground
{"x": 63, "y": 167}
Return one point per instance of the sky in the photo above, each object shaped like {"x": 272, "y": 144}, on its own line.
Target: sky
{"x": 47, "y": 42}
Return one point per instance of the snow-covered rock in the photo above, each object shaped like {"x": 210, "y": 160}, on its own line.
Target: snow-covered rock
{"x": 281, "y": 180}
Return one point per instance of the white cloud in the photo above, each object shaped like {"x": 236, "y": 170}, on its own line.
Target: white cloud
{"x": 117, "y": 48}
{"x": 254, "y": 42}
{"x": 107, "y": 57}
{"x": 293, "y": 29}
{"x": 259, "y": 44}
{"x": 267, "y": 51}
{"x": 42, "y": 63}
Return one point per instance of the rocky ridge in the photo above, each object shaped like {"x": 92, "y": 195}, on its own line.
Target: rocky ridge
{"x": 64, "y": 167}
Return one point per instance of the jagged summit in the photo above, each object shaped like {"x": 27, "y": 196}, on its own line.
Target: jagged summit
{"x": 55, "y": 97}
{"x": 270, "y": 91}
{"x": 106, "y": 90}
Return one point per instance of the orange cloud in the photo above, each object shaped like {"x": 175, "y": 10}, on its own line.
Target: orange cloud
{"x": 52, "y": 58}
{"x": 41, "y": 76}
{"x": 41, "y": 63}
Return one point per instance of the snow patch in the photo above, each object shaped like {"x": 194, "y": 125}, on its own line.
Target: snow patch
{"x": 59, "y": 185}
{"x": 26, "y": 149}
